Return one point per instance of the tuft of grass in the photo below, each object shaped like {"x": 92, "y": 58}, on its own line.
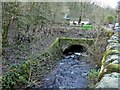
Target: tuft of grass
{"x": 93, "y": 77}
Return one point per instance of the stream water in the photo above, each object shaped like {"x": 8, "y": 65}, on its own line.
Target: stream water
{"x": 70, "y": 72}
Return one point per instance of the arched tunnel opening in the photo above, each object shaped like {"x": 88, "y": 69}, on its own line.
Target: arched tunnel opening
{"x": 74, "y": 49}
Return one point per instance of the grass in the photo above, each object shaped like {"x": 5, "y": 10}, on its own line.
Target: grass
{"x": 93, "y": 77}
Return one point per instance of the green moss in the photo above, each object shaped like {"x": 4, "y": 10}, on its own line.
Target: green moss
{"x": 109, "y": 52}
{"x": 56, "y": 42}
{"x": 113, "y": 68}
{"x": 82, "y": 41}
{"x": 108, "y": 69}
{"x": 108, "y": 66}
{"x": 56, "y": 49}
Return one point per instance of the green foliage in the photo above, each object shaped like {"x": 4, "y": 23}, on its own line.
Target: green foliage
{"x": 111, "y": 19}
{"x": 93, "y": 74}
{"x": 16, "y": 77}
{"x": 93, "y": 77}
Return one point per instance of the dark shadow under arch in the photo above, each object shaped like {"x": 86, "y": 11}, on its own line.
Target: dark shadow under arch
{"x": 74, "y": 48}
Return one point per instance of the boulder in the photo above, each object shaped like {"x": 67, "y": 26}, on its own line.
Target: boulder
{"x": 109, "y": 81}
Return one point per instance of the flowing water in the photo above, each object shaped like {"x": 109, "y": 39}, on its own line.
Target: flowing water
{"x": 70, "y": 72}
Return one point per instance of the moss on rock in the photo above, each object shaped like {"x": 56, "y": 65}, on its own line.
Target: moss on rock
{"x": 109, "y": 52}
{"x": 108, "y": 66}
{"x": 109, "y": 69}
{"x": 113, "y": 68}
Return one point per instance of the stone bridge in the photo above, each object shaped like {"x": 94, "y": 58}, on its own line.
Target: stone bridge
{"x": 63, "y": 43}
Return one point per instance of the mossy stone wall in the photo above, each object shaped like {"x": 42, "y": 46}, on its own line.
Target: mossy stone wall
{"x": 110, "y": 63}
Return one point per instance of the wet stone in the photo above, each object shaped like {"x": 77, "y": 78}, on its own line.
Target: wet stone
{"x": 69, "y": 73}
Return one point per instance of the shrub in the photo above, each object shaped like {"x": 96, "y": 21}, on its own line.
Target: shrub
{"x": 111, "y": 19}
{"x": 16, "y": 77}
{"x": 93, "y": 77}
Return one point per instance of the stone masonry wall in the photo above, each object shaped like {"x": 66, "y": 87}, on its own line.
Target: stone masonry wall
{"x": 109, "y": 76}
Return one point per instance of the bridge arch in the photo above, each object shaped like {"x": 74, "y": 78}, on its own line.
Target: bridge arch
{"x": 74, "y": 48}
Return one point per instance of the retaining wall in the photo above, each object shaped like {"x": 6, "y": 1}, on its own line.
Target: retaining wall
{"x": 109, "y": 75}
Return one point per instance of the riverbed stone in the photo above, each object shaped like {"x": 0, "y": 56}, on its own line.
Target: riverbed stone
{"x": 109, "y": 81}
